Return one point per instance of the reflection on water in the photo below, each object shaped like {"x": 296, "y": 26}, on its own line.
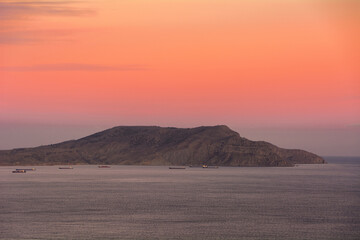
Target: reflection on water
{"x": 134, "y": 202}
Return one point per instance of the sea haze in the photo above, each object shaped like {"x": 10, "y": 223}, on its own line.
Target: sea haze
{"x": 137, "y": 202}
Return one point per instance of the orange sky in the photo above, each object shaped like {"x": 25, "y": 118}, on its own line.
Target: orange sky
{"x": 247, "y": 64}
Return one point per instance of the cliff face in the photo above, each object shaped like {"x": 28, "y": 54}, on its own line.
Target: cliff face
{"x": 216, "y": 145}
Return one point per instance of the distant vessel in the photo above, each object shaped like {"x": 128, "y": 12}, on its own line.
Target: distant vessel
{"x": 26, "y": 169}
{"x": 70, "y": 167}
{"x": 203, "y": 166}
{"x": 176, "y": 167}
{"x": 103, "y": 166}
{"x": 19, "y": 171}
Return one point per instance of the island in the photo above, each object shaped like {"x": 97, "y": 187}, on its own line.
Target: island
{"x": 153, "y": 145}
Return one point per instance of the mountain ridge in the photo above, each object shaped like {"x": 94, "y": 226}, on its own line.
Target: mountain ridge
{"x": 154, "y": 145}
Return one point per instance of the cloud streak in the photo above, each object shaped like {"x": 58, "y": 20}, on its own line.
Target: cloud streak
{"x": 19, "y": 10}
{"x": 18, "y": 13}
{"x": 73, "y": 67}
{"x": 39, "y": 36}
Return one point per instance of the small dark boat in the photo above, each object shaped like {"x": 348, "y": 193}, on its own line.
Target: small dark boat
{"x": 103, "y": 166}
{"x": 26, "y": 169}
{"x": 70, "y": 167}
{"x": 203, "y": 166}
{"x": 177, "y": 168}
{"x": 19, "y": 171}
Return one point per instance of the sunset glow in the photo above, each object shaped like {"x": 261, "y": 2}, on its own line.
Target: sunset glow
{"x": 247, "y": 64}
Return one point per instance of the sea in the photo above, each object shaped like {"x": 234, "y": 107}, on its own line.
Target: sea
{"x": 155, "y": 202}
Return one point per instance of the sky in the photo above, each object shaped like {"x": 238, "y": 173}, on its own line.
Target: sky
{"x": 284, "y": 71}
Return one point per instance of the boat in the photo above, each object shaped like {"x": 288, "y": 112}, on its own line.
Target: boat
{"x": 69, "y": 167}
{"x": 177, "y": 168}
{"x": 26, "y": 169}
{"x": 103, "y": 166}
{"x": 19, "y": 171}
{"x": 203, "y": 166}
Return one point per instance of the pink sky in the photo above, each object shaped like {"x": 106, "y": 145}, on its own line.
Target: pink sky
{"x": 287, "y": 69}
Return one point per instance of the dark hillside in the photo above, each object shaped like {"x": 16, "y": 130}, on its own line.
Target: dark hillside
{"x": 150, "y": 145}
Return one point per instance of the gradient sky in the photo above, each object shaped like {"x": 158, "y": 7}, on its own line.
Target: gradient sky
{"x": 285, "y": 71}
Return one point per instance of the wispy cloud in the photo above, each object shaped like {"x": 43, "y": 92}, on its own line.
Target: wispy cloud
{"x": 38, "y": 36}
{"x": 73, "y": 67}
{"x": 17, "y": 10}
{"x": 16, "y": 17}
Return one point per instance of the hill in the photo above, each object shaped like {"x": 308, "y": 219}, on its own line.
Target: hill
{"x": 151, "y": 145}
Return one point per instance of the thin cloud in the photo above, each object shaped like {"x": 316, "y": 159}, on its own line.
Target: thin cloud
{"x": 72, "y": 67}
{"x": 19, "y": 10}
{"x": 22, "y": 11}
{"x": 16, "y": 39}
{"x": 39, "y": 36}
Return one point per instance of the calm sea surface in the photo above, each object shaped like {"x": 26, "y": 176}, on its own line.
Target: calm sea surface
{"x": 134, "y": 202}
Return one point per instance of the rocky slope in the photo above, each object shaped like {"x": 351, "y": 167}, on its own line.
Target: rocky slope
{"x": 152, "y": 145}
